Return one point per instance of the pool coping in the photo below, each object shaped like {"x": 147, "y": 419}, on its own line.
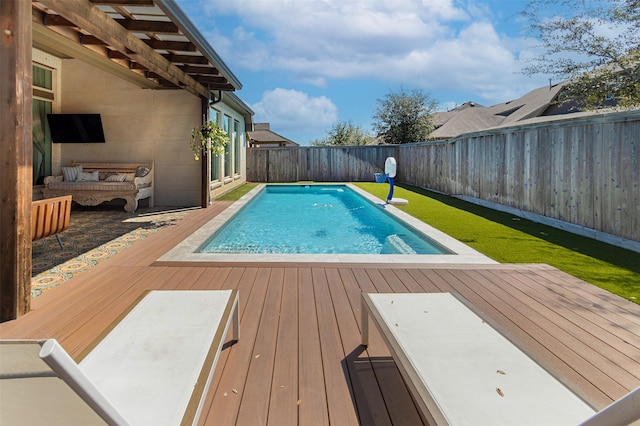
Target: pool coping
{"x": 185, "y": 251}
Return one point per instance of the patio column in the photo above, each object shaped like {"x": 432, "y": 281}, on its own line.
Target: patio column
{"x": 15, "y": 158}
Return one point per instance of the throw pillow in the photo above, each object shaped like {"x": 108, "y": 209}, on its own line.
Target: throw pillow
{"x": 116, "y": 178}
{"x": 142, "y": 171}
{"x": 71, "y": 173}
{"x": 88, "y": 177}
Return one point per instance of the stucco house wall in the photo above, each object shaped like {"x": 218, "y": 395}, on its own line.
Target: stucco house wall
{"x": 140, "y": 125}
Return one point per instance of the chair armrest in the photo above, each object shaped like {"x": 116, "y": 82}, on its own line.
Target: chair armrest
{"x": 143, "y": 180}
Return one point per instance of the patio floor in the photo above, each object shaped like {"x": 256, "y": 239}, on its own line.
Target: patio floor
{"x": 299, "y": 360}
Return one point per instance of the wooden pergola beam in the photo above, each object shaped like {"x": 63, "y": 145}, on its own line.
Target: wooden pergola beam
{"x": 193, "y": 69}
{"x": 148, "y": 3}
{"x": 15, "y": 151}
{"x": 149, "y": 26}
{"x": 88, "y": 17}
{"x": 186, "y": 59}
{"x": 182, "y": 46}
{"x": 56, "y": 21}
{"x": 91, "y": 40}
{"x": 214, "y": 80}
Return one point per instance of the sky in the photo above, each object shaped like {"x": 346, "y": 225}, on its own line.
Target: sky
{"x": 306, "y": 65}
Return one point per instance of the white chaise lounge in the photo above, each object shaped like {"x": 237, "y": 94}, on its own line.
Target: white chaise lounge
{"x": 461, "y": 371}
{"x": 153, "y": 368}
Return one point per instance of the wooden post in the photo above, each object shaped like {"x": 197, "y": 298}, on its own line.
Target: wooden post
{"x": 15, "y": 158}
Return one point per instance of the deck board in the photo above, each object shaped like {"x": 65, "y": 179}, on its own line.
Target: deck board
{"x": 299, "y": 358}
{"x": 552, "y": 330}
{"x": 396, "y": 397}
{"x": 312, "y": 399}
{"x": 615, "y": 334}
{"x": 522, "y": 330}
{"x": 228, "y": 397}
{"x": 257, "y": 388}
{"x": 371, "y": 405}
{"x": 576, "y": 333}
{"x": 340, "y": 397}
{"x": 283, "y": 407}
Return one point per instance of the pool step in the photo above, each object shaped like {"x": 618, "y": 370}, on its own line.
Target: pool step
{"x": 394, "y": 244}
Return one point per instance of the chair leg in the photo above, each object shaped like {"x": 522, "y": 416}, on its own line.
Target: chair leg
{"x": 59, "y": 241}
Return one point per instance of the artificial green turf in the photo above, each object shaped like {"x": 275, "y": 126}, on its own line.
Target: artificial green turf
{"x": 238, "y": 192}
{"x": 509, "y": 239}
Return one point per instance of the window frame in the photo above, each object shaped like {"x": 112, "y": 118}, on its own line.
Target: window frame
{"x": 237, "y": 157}
{"x": 214, "y": 116}
{"x": 43, "y": 100}
{"x": 228, "y": 153}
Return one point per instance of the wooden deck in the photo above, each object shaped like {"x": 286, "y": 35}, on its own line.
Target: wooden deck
{"x": 299, "y": 360}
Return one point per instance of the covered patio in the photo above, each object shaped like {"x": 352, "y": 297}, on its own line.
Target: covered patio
{"x": 299, "y": 360}
{"x": 150, "y": 76}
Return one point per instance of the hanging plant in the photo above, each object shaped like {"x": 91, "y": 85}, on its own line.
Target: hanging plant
{"x": 209, "y": 134}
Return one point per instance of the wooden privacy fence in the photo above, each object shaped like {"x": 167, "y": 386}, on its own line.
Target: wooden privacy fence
{"x": 320, "y": 164}
{"x": 584, "y": 171}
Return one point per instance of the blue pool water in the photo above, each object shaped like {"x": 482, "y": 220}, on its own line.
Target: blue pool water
{"x": 316, "y": 219}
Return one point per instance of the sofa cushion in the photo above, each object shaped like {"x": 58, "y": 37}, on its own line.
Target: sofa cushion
{"x": 142, "y": 171}
{"x": 88, "y": 177}
{"x": 71, "y": 173}
{"x": 121, "y": 177}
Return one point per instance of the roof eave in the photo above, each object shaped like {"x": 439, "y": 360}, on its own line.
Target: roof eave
{"x": 247, "y": 112}
{"x": 177, "y": 15}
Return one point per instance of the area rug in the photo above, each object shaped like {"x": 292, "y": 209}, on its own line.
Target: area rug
{"x": 94, "y": 234}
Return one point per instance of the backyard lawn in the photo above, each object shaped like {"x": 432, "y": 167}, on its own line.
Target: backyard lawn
{"x": 510, "y": 239}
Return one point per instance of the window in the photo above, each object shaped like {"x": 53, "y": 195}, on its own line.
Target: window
{"x": 215, "y": 159}
{"x": 236, "y": 147}
{"x": 42, "y": 105}
{"x": 226, "y": 125}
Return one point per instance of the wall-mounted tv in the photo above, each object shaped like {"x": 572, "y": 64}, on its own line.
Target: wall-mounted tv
{"x": 76, "y": 128}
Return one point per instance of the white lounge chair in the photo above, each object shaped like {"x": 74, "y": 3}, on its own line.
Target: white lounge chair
{"x": 461, "y": 371}
{"x": 153, "y": 368}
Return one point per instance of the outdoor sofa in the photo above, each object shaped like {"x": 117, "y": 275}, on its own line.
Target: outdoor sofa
{"x": 93, "y": 183}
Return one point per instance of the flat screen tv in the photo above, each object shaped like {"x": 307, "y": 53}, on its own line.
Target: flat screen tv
{"x": 76, "y": 128}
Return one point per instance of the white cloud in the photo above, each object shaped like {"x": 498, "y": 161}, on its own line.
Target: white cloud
{"x": 476, "y": 61}
{"x": 432, "y": 44}
{"x": 291, "y": 110}
{"x": 301, "y": 35}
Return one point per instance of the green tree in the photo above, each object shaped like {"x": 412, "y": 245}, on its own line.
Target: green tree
{"x": 404, "y": 117}
{"x": 344, "y": 133}
{"x": 595, "y": 44}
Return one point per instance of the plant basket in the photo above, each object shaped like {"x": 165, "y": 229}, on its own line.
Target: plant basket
{"x": 380, "y": 177}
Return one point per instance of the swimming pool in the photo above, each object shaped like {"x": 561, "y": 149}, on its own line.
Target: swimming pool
{"x": 316, "y": 219}
{"x": 388, "y": 234}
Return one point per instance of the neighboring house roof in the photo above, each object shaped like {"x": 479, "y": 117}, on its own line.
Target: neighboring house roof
{"x": 378, "y": 140}
{"x": 262, "y": 135}
{"x": 468, "y": 117}
{"x": 471, "y": 117}
{"x": 151, "y": 43}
